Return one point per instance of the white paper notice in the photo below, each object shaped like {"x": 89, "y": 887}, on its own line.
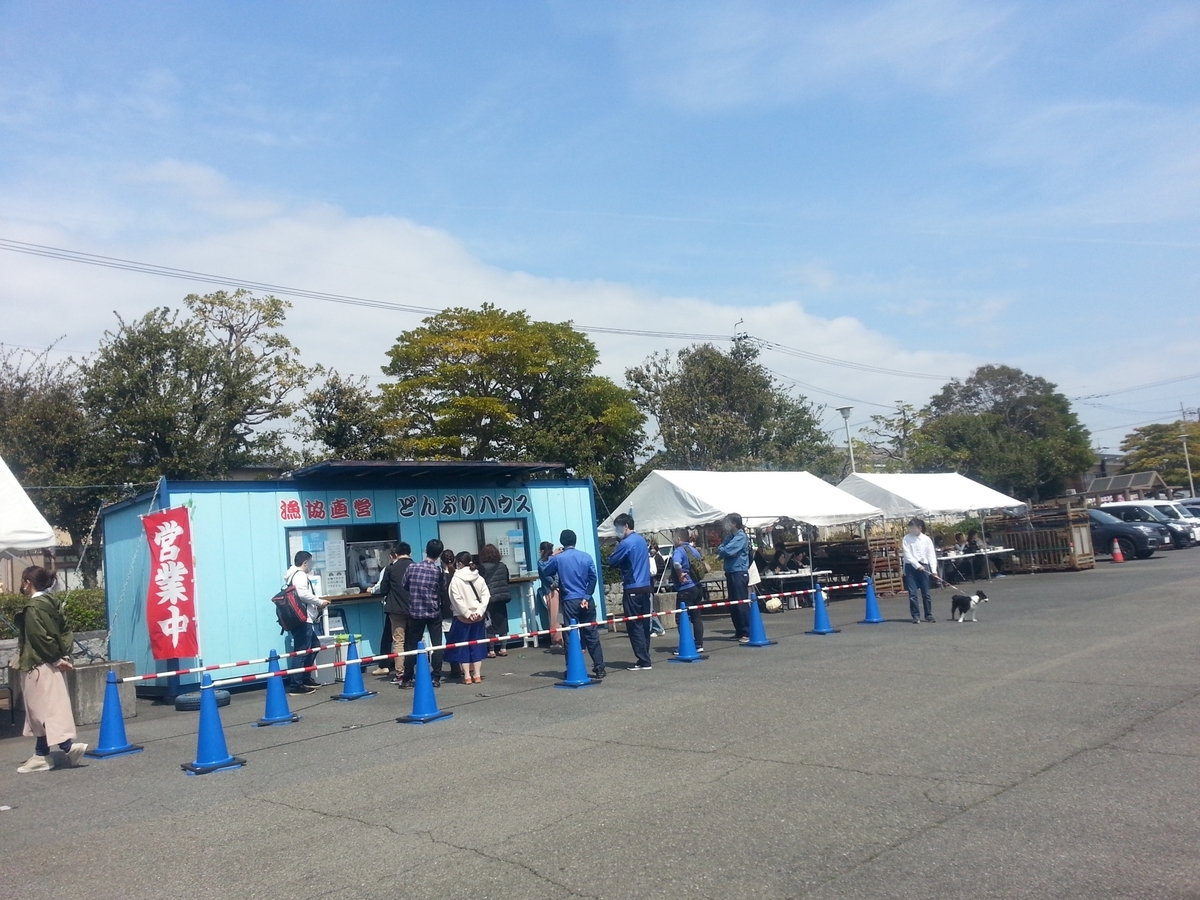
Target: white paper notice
{"x": 334, "y": 583}
{"x": 335, "y": 557}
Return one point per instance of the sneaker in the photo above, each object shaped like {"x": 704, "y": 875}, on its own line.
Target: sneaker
{"x": 640, "y": 668}
{"x": 437, "y": 681}
{"x": 743, "y": 640}
{"x": 698, "y": 650}
{"x": 302, "y": 689}
{"x": 36, "y": 763}
{"x": 599, "y": 673}
{"x": 930, "y": 619}
{"x": 395, "y": 679}
{"x": 75, "y": 754}
{"x": 379, "y": 670}
{"x": 916, "y": 621}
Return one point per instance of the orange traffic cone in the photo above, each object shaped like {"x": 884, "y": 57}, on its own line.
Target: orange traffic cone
{"x": 1117, "y": 555}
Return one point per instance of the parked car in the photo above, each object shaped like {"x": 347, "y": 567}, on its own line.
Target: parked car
{"x": 1174, "y": 510}
{"x": 1192, "y": 505}
{"x": 1138, "y": 539}
{"x": 1143, "y": 511}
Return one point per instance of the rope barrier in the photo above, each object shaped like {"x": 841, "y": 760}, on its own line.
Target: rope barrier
{"x": 834, "y": 587}
{"x": 610, "y": 621}
{"x": 380, "y": 657}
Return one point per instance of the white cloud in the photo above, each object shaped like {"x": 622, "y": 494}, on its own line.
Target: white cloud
{"x": 321, "y": 248}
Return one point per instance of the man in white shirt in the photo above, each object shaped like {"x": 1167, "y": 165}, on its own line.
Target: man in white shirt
{"x": 304, "y": 637}
{"x": 920, "y": 564}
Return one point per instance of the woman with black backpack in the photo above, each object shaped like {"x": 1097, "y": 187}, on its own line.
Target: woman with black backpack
{"x": 496, "y": 574}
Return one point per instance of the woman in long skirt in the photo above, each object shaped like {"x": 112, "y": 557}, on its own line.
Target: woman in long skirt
{"x": 44, "y": 653}
{"x": 469, "y": 601}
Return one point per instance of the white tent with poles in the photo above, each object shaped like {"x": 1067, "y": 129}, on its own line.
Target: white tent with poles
{"x": 907, "y": 495}
{"x": 678, "y": 499}
{"x": 22, "y": 527}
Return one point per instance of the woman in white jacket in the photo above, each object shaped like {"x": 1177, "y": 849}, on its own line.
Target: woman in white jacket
{"x": 469, "y": 598}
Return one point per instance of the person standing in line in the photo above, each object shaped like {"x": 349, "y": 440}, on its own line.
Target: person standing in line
{"x": 632, "y": 558}
{"x": 687, "y": 588}
{"x": 735, "y": 551}
{"x": 550, "y": 594}
{"x": 424, "y": 582}
{"x": 395, "y": 601}
{"x": 577, "y": 579}
{"x": 43, "y": 654}
{"x": 304, "y": 637}
{"x": 496, "y": 574}
{"x": 920, "y": 564}
{"x": 659, "y": 575}
{"x": 469, "y": 598}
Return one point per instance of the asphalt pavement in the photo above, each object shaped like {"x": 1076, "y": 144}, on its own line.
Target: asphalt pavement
{"x": 1050, "y": 751}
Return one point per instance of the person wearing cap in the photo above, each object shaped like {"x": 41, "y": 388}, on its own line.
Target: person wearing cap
{"x": 577, "y": 580}
{"x": 632, "y": 557}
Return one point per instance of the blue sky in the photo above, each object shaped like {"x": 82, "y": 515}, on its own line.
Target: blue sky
{"x": 923, "y": 186}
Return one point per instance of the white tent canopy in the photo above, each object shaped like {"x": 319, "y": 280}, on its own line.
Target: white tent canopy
{"x": 22, "y": 527}
{"x": 901, "y": 496}
{"x": 677, "y": 499}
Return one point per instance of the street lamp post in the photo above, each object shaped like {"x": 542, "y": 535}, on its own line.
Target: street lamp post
{"x": 845, "y": 411}
{"x": 1188, "y": 460}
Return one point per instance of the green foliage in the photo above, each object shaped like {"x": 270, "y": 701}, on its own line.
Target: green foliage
{"x": 84, "y": 610}
{"x": 345, "y": 420}
{"x": 891, "y": 438}
{"x": 189, "y": 396}
{"x": 1005, "y": 428}
{"x": 489, "y": 384}
{"x": 1159, "y": 447}
{"x": 725, "y": 410}
{"x": 47, "y": 439}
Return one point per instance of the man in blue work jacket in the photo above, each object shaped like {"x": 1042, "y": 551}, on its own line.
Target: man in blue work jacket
{"x": 632, "y": 557}
{"x": 577, "y": 580}
{"x": 735, "y": 551}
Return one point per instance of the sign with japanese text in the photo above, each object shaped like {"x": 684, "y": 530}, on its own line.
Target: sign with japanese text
{"x": 171, "y": 599}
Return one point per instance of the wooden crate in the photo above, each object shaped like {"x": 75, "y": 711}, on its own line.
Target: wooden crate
{"x": 1046, "y": 540}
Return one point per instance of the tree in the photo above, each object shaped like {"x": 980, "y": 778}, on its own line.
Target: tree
{"x": 192, "y": 396}
{"x": 892, "y": 438}
{"x": 47, "y": 440}
{"x": 1008, "y": 429}
{"x": 718, "y": 410}
{"x": 345, "y": 420}
{"x": 489, "y": 384}
{"x": 1159, "y": 448}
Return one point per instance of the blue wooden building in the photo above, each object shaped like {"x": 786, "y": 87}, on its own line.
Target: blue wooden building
{"x": 346, "y": 514}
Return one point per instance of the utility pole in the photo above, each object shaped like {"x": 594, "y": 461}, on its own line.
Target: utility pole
{"x": 1188, "y": 460}
{"x": 845, "y": 411}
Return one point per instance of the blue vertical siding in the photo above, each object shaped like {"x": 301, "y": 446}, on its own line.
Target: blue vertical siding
{"x": 241, "y": 553}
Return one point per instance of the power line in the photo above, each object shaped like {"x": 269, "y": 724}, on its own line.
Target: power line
{"x": 128, "y": 265}
{"x": 1139, "y": 387}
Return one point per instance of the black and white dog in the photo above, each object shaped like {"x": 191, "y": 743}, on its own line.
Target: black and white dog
{"x": 960, "y": 605}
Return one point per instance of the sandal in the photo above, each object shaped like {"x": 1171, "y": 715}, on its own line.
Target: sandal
{"x": 479, "y": 680}
{"x": 502, "y": 652}
{"x": 467, "y": 679}
{"x": 491, "y": 654}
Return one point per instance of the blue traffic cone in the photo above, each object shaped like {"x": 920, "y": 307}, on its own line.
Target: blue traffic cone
{"x": 873, "y": 616}
{"x": 277, "y": 711}
{"x": 577, "y": 676}
{"x": 821, "y": 615}
{"x": 758, "y": 634}
{"x": 425, "y": 708}
{"x": 352, "y": 688}
{"x": 687, "y": 639}
{"x": 211, "y": 753}
{"x": 112, "y": 741}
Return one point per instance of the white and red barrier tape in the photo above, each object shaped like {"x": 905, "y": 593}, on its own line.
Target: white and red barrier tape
{"x": 824, "y": 589}
{"x": 612, "y": 620}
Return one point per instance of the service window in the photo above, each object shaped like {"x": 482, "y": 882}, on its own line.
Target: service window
{"x": 508, "y": 536}
{"x": 345, "y": 560}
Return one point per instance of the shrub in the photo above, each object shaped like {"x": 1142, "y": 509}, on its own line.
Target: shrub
{"x": 84, "y": 610}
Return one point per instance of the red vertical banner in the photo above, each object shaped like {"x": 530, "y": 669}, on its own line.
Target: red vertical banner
{"x": 171, "y": 600}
